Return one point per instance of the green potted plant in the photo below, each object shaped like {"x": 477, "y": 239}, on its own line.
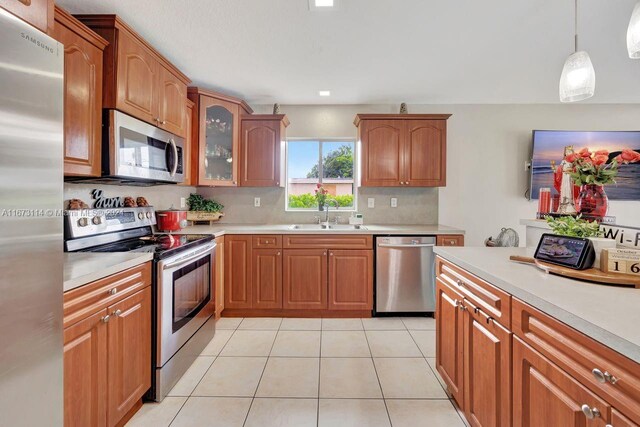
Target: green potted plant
{"x": 201, "y": 209}
{"x": 579, "y": 227}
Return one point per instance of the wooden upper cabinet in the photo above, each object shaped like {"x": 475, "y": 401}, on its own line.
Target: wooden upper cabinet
{"x": 544, "y": 395}
{"x": 425, "y": 153}
{"x": 138, "y": 79}
{"x": 172, "y": 99}
{"x": 217, "y": 137}
{"x": 83, "y": 51}
{"x": 450, "y": 340}
{"x": 129, "y": 337}
{"x": 266, "y": 278}
{"x": 381, "y": 153}
{"x": 487, "y": 370}
{"x": 304, "y": 279}
{"x": 350, "y": 280}
{"x": 187, "y": 151}
{"x": 262, "y": 150}
{"x": 237, "y": 271}
{"x": 400, "y": 150}
{"x": 85, "y": 372}
{"x": 38, "y": 13}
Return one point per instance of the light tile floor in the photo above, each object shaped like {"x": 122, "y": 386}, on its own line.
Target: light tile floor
{"x": 266, "y": 372}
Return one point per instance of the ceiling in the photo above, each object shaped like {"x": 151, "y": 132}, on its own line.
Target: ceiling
{"x": 385, "y": 51}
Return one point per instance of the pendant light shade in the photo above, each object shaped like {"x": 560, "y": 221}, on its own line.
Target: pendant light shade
{"x": 578, "y": 79}
{"x": 633, "y": 33}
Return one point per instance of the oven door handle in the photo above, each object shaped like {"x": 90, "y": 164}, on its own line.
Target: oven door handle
{"x": 187, "y": 260}
{"x": 174, "y": 168}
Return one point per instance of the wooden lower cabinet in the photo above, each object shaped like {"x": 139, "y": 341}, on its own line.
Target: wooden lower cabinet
{"x": 619, "y": 420}
{"x": 547, "y": 396}
{"x": 304, "y": 278}
{"x": 487, "y": 369}
{"x": 450, "y": 240}
{"x": 237, "y": 271}
{"x": 85, "y": 372}
{"x": 266, "y": 277}
{"x": 129, "y": 340}
{"x": 544, "y": 373}
{"x": 218, "y": 295}
{"x": 473, "y": 357}
{"x": 450, "y": 340}
{"x": 107, "y": 351}
{"x": 350, "y": 279}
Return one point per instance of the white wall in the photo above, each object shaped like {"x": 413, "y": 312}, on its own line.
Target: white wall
{"x": 487, "y": 148}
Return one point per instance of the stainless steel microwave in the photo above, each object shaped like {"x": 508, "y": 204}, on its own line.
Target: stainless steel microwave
{"x": 137, "y": 153}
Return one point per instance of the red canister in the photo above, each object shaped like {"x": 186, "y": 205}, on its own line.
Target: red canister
{"x": 171, "y": 220}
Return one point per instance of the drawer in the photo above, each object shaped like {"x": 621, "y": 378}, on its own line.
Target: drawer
{"x": 450, "y": 240}
{"x": 580, "y": 356}
{"x": 267, "y": 241}
{"x": 493, "y": 301}
{"x": 331, "y": 241}
{"x": 83, "y": 301}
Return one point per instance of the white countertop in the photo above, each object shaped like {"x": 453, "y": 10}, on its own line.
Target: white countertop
{"x": 81, "y": 268}
{"x": 608, "y": 314}
{"x": 222, "y": 229}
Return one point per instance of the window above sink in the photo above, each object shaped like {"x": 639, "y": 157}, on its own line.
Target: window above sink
{"x": 329, "y": 162}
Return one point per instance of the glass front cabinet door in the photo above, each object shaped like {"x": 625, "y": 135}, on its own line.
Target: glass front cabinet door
{"x": 219, "y": 142}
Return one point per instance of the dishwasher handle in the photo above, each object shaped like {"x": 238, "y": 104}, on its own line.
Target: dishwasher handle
{"x": 406, "y": 245}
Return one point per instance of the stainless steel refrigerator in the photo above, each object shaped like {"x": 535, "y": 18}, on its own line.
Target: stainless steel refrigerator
{"x": 31, "y": 257}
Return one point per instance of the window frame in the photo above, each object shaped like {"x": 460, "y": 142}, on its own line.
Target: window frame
{"x": 356, "y": 153}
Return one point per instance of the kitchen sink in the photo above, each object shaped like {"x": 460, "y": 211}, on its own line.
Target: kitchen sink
{"x": 335, "y": 227}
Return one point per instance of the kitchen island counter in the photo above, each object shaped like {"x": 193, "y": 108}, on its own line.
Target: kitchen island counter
{"x": 607, "y": 314}
{"x": 81, "y": 268}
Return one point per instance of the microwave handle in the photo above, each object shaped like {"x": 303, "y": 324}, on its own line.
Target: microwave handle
{"x": 174, "y": 168}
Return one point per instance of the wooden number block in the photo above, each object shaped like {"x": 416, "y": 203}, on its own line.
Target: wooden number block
{"x": 624, "y": 261}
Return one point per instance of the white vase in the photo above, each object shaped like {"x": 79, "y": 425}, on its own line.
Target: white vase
{"x": 600, "y": 243}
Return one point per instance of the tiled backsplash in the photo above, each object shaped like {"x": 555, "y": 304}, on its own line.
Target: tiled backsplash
{"x": 161, "y": 197}
{"x": 415, "y": 206}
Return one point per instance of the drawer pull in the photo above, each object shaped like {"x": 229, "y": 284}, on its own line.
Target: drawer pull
{"x": 117, "y": 313}
{"x": 590, "y": 413}
{"x": 113, "y": 291}
{"x": 105, "y": 319}
{"x": 604, "y": 377}
{"x": 460, "y": 283}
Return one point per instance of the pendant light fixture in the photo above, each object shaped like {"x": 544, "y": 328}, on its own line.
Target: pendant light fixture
{"x": 633, "y": 33}
{"x": 578, "y": 79}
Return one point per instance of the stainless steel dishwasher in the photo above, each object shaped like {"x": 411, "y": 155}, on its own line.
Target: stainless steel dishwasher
{"x": 405, "y": 279}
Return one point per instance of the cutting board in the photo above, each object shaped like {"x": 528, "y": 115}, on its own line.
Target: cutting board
{"x": 590, "y": 275}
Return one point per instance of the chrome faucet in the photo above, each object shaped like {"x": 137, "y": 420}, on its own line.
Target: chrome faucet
{"x": 327, "y": 202}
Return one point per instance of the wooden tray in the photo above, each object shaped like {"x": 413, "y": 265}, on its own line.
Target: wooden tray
{"x": 201, "y": 216}
{"x": 589, "y": 275}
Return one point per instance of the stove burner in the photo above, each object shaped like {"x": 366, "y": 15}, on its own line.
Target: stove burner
{"x": 161, "y": 245}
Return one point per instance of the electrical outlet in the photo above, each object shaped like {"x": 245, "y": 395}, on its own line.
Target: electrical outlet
{"x": 183, "y": 202}
{"x": 394, "y": 202}
{"x": 256, "y": 202}
{"x": 371, "y": 202}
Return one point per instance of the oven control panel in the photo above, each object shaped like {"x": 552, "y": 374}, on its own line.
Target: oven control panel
{"x": 89, "y": 222}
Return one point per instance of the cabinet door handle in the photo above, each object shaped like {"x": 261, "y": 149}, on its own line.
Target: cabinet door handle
{"x": 164, "y": 122}
{"x": 604, "y": 377}
{"x": 590, "y": 413}
{"x": 112, "y": 291}
{"x": 105, "y": 319}
{"x": 117, "y": 313}
{"x": 330, "y": 253}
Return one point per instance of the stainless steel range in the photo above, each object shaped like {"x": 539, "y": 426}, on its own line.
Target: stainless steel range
{"x": 183, "y": 288}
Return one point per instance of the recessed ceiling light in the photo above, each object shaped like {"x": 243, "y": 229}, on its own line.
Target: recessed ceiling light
{"x": 324, "y": 5}
{"x": 324, "y": 92}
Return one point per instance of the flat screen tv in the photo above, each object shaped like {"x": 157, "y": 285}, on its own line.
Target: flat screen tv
{"x": 548, "y": 146}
